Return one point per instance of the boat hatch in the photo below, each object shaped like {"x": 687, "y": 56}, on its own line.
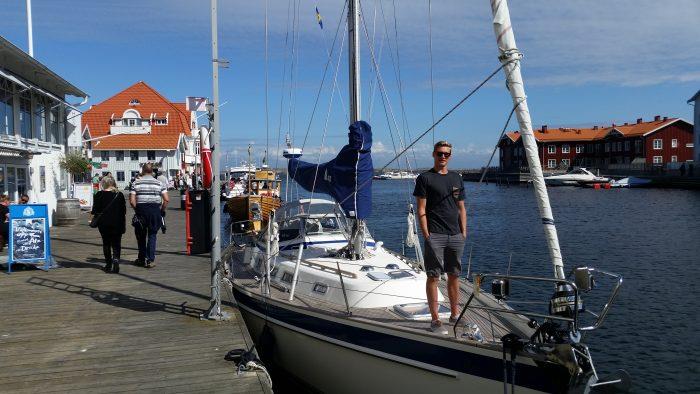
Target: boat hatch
{"x": 320, "y": 288}
{"x": 420, "y": 311}
{"x": 379, "y": 276}
{"x": 392, "y": 266}
{"x": 366, "y": 268}
{"x": 400, "y": 274}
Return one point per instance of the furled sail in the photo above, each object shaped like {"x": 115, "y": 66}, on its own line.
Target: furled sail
{"x": 347, "y": 178}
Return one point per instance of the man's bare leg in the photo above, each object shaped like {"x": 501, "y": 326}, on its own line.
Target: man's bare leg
{"x": 431, "y": 292}
{"x": 453, "y": 294}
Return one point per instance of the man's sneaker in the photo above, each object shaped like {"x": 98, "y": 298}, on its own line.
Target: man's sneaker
{"x": 453, "y": 319}
{"x": 150, "y": 264}
{"x": 437, "y": 327}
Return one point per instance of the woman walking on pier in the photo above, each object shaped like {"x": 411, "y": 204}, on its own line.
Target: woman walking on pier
{"x": 110, "y": 205}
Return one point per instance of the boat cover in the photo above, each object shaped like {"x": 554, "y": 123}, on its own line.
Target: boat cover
{"x": 347, "y": 178}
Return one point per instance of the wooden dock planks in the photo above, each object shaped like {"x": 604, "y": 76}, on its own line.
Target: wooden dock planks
{"x": 78, "y": 329}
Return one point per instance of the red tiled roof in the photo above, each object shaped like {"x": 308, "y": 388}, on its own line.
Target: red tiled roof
{"x": 97, "y": 118}
{"x": 591, "y": 134}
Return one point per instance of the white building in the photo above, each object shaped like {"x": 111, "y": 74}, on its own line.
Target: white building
{"x": 139, "y": 125}
{"x": 36, "y": 122}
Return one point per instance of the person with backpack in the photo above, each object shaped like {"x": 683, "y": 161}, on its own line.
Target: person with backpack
{"x": 109, "y": 216}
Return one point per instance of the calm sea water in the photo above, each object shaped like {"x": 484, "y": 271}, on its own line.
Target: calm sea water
{"x": 650, "y": 236}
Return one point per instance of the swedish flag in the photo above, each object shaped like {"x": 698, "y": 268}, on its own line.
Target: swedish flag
{"x": 318, "y": 18}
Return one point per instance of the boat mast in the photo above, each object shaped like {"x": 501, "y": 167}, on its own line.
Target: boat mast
{"x": 357, "y": 237}
{"x": 510, "y": 58}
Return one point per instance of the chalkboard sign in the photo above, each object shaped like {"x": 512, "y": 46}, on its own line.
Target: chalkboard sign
{"x": 29, "y": 240}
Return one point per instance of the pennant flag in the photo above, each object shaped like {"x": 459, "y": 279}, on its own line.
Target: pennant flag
{"x": 318, "y": 18}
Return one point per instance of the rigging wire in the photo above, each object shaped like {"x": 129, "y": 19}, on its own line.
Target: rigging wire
{"x": 267, "y": 88}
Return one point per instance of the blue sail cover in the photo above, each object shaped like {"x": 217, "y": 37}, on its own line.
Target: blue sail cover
{"x": 351, "y": 170}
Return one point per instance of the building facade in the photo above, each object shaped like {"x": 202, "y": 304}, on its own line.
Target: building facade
{"x": 657, "y": 142}
{"x": 136, "y": 126}
{"x": 36, "y": 121}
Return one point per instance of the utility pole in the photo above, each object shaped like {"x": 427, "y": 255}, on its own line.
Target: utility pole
{"x": 215, "y": 312}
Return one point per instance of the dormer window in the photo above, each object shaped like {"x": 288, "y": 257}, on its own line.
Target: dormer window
{"x": 131, "y": 118}
{"x": 161, "y": 121}
{"x": 134, "y": 102}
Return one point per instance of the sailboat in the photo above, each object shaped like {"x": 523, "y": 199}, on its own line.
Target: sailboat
{"x": 327, "y": 302}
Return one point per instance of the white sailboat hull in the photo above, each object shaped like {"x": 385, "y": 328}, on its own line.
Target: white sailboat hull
{"x": 339, "y": 356}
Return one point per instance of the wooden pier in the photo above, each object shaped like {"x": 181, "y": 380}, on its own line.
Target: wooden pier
{"x": 79, "y": 329}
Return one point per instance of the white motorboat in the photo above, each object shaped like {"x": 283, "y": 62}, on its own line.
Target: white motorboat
{"x": 400, "y": 175}
{"x": 577, "y": 177}
{"x": 329, "y": 304}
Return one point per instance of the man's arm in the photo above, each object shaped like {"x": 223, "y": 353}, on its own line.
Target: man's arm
{"x": 422, "y": 216}
{"x": 132, "y": 199}
{"x": 462, "y": 218}
{"x": 166, "y": 200}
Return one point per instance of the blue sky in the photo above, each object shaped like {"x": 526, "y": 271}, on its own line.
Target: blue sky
{"x": 586, "y": 62}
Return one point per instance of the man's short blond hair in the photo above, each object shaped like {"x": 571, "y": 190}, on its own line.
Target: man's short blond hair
{"x": 442, "y": 144}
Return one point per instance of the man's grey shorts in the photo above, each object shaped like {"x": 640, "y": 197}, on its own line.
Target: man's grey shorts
{"x": 443, "y": 253}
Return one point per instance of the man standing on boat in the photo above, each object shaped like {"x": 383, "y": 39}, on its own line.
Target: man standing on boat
{"x": 443, "y": 221}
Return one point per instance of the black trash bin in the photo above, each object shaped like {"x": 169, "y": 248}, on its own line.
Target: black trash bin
{"x": 183, "y": 195}
{"x": 200, "y": 222}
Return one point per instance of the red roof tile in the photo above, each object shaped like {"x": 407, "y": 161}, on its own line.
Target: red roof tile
{"x": 591, "y": 134}
{"x": 97, "y": 119}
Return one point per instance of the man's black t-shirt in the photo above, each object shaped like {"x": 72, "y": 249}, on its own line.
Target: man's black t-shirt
{"x": 442, "y": 193}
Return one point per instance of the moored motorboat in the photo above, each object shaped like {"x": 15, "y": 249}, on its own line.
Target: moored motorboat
{"x": 630, "y": 182}
{"x": 577, "y": 177}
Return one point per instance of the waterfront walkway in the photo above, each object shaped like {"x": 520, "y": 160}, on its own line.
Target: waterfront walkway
{"x": 78, "y": 329}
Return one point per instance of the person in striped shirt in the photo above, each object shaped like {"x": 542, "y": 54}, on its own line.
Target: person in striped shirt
{"x": 149, "y": 198}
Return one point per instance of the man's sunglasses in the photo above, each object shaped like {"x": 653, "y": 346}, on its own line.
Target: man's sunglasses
{"x": 443, "y": 154}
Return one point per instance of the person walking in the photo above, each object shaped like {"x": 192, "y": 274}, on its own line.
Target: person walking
{"x": 443, "y": 221}
{"x": 149, "y": 198}
{"x": 110, "y": 204}
{"x": 4, "y": 220}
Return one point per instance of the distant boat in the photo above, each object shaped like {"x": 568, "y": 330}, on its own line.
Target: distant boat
{"x": 576, "y": 177}
{"x": 631, "y": 182}
{"x": 396, "y": 175}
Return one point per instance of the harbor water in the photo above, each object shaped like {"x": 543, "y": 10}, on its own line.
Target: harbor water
{"x": 650, "y": 236}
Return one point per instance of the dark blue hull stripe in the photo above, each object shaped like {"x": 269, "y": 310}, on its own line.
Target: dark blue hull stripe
{"x": 546, "y": 377}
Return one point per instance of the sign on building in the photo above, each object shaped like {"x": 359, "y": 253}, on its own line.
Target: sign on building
{"x": 198, "y": 104}
{"x": 29, "y": 241}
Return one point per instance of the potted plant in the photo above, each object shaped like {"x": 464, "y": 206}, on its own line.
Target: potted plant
{"x": 68, "y": 209}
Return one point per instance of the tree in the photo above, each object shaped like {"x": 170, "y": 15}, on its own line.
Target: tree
{"x": 75, "y": 164}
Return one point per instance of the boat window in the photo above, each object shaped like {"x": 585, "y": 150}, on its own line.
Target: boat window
{"x": 392, "y": 266}
{"x": 313, "y": 226}
{"x": 367, "y": 268}
{"x": 287, "y": 277}
{"x": 289, "y": 234}
{"x": 330, "y": 223}
{"x": 320, "y": 288}
{"x": 400, "y": 274}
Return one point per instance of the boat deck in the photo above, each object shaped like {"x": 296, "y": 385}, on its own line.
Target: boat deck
{"x": 492, "y": 325}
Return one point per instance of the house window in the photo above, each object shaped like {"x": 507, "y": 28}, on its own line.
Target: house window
{"x": 607, "y": 147}
{"x": 104, "y": 155}
{"x": 42, "y": 178}
{"x": 674, "y": 143}
{"x": 627, "y": 146}
{"x": 320, "y": 288}
{"x": 134, "y": 174}
{"x": 551, "y": 163}
{"x": 134, "y": 102}
{"x": 551, "y": 149}
{"x": 134, "y": 154}
{"x": 565, "y": 148}
{"x": 689, "y": 145}
{"x": 658, "y": 159}
{"x": 40, "y": 120}
{"x": 565, "y": 163}
{"x": 613, "y": 147}
{"x": 150, "y": 155}
{"x": 638, "y": 146}
{"x": 25, "y": 112}
{"x": 120, "y": 176}
{"x": 674, "y": 159}
{"x": 658, "y": 144}
{"x": 619, "y": 146}
{"x": 119, "y": 155}
{"x": 161, "y": 121}
{"x": 53, "y": 124}
{"x": 598, "y": 147}
{"x": 7, "y": 118}
{"x": 579, "y": 148}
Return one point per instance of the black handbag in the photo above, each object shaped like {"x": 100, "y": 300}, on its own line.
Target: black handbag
{"x": 95, "y": 221}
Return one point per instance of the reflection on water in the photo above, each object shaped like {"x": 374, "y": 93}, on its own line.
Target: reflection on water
{"x": 651, "y": 237}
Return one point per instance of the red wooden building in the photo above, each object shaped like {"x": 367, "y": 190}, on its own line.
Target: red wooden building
{"x": 661, "y": 141}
